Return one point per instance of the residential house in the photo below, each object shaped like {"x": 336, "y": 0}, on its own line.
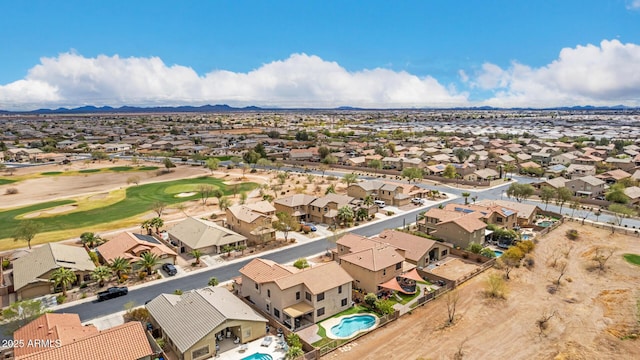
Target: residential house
{"x": 491, "y": 214}
{"x": 131, "y": 247}
{"x": 526, "y": 212}
{"x": 369, "y": 262}
{"x": 578, "y": 170}
{"x": 198, "y": 234}
{"x": 455, "y": 227}
{"x": 418, "y": 250}
{"x": 63, "y": 337}
{"x": 563, "y": 159}
{"x": 296, "y": 297}
{"x": 625, "y": 163}
{"x": 391, "y": 193}
{"x": 613, "y": 176}
{"x": 295, "y": 205}
{"x": 554, "y": 183}
{"x": 253, "y": 221}
{"x": 587, "y": 186}
{"x": 325, "y": 209}
{"x": 554, "y": 171}
{"x": 486, "y": 174}
{"x": 191, "y": 323}
{"x": 633, "y": 193}
{"x": 32, "y": 272}
{"x": 22, "y": 155}
{"x": 310, "y": 154}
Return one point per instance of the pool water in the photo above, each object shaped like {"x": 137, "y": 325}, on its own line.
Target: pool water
{"x": 352, "y": 324}
{"x": 545, "y": 223}
{"x": 498, "y": 253}
{"x": 258, "y": 356}
{"x": 525, "y": 236}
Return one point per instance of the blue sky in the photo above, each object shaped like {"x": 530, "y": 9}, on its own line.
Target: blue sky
{"x": 320, "y": 53}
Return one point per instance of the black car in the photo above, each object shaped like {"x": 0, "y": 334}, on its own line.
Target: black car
{"x": 112, "y": 292}
{"x": 170, "y": 269}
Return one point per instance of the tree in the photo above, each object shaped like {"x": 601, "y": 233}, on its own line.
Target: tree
{"x": 259, "y": 149}
{"x": 368, "y": 200}
{"x": 197, "y": 254}
{"x": 323, "y": 151}
{"x": 620, "y": 212}
{"x": 375, "y": 164}
{"x": 384, "y": 307}
{"x": 323, "y": 167}
{"x": 294, "y": 352}
{"x": 90, "y": 239}
{"x": 218, "y": 194}
{"x": 21, "y": 313}
{"x": 99, "y": 155}
{"x": 461, "y": 154}
{"x": 474, "y": 247}
{"x": 349, "y": 179}
{"x": 370, "y": 299}
{"x": 243, "y": 197}
{"x": 346, "y": 215}
{"x": 361, "y": 214}
{"x": 148, "y": 261}
{"x": 146, "y": 225}
{"x": 495, "y": 287}
{"x": 263, "y": 163}
{"x": 224, "y": 203}
{"x": 546, "y": 194}
{"x": 302, "y": 136}
{"x": 601, "y": 257}
{"x": 205, "y": 191}
{"x": 331, "y": 189}
{"x": 520, "y": 191}
{"x": 466, "y": 195}
{"x": 63, "y": 277}
{"x": 158, "y": 207}
{"x": 452, "y": 298}
{"x": 330, "y": 160}
{"x": 251, "y": 157}
{"x": 120, "y": 265}
{"x": 212, "y": 164}
{"x": 412, "y": 174}
{"x": 157, "y": 223}
{"x": 285, "y": 223}
{"x": 543, "y": 321}
{"x": 563, "y": 195}
{"x": 294, "y": 340}
{"x": 508, "y": 168}
{"x": 282, "y": 177}
{"x": 101, "y": 274}
{"x": 168, "y": 164}
{"x": 510, "y": 259}
{"x": 301, "y": 263}
{"x": 616, "y": 194}
{"x": 27, "y": 230}
{"x": 241, "y": 248}
{"x": 213, "y": 281}
{"x": 227, "y": 249}
{"x": 449, "y": 172}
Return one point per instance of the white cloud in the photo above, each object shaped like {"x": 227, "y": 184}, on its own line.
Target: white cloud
{"x": 300, "y": 80}
{"x": 633, "y": 4}
{"x": 608, "y": 74}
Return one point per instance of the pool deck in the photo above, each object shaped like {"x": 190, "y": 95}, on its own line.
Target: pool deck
{"x": 252, "y": 348}
{"x": 329, "y": 323}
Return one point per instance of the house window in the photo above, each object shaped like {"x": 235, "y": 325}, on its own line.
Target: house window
{"x": 320, "y": 297}
{"x": 444, "y": 253}
{"x": 307, "y": 296}
{"x": 398, "y": 266}
{"x": 384, "y": 271}
{"x": 86, "y": 277}
{"x": 343, "y": 302}
{"x": 200, "y": 352}
{"x": 268, "y": 307}
{"x": 297, "y": 295}
{"x": 268, "y": 293}
{"x": 276, "y": 313}
{"x": 340, "y": 289}
{"x": 498, "y": 219}
{"x": 256, "y": 286}
{"x": 320, "y": 312}
{"x": 326, "y": 209}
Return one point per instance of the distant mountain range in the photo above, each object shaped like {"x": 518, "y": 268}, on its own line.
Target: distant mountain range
{"x": 227, "y": 108}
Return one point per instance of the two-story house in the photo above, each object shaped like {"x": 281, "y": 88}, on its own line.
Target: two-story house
{"x": 295, "y": 297}
{"x": 254, "y": 221}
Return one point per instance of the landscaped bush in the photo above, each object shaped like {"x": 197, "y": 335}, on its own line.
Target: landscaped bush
{"x": 11, "y": 191}
{"x": 370, "y": 299}
{"x": 83, "y": 285}
{"x": 60, "y": 299}
{"x": 142, "y": 275}
{"x": 5, "y": 264}
{"x": 139, "y": 314}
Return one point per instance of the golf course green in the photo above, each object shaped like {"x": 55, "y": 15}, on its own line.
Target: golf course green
{"x": 139, "y": 199}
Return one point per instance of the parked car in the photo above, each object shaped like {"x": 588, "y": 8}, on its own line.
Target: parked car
{"x": 170, "y": 269}
{"x": 112, "y": 292}
{"x": 380, "y": 203}
{"x": 417, "y": 201}
{"x": 311, "y": 226}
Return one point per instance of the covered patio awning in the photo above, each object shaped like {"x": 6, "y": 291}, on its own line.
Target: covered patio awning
{"x": 298, "y": 309}
{"x": 394, "y": 285}
{"x": 413, "y": 275}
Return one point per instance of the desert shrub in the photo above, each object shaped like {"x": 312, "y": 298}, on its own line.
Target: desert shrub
{"x": 60, "y": 299}
{"x": 572, "y": 234}
{"x": 390, "y": 213}
{"x": 11, "y": 191}
{"x": 529, "y": 261}
{"x": 84, "y": 295}
{"x": 253, "y": 171}
{"x": 331, "y": 178}
{"x": 495, "y": 287}
{"x": 142, "y": 275}
{"x": 138, "y": 314}
{"x": 177, "y": 292}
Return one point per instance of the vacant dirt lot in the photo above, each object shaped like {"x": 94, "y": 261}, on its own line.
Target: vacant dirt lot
{"x": 593, "y": 310}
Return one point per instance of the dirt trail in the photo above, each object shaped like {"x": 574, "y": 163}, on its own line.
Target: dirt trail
{"x": 594, "y": 310}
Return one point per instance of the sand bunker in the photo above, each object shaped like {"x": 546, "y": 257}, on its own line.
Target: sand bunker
{"x": 56, "y": 210}
{"x": 186, "y": 194}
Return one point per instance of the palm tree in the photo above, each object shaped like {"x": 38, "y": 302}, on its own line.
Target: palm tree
{"x": 345, "y": 214}
{"x": 196, "y": 254}
{"x": 146, "y": 225}
{"x": 294, "y": 352}
{"x": 120, "y": 265}
{"x": 90, "y": 239}
{"x": 362, "y": 214}
{"x": 148, "y": 261}
{"x": 466, "y": 195}
{"x": 368, "y": 200}
{"x": 101, "y": 274}
{"x": 157, "y": 223}
{"x": 213, "y": 281}
{"x": 63, "y": 277}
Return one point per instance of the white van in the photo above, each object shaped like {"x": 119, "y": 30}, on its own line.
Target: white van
{"x": 380, "y": 203}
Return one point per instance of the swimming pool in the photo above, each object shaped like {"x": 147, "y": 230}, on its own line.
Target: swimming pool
{"x": 526, "y": 236}
{"x": 352, "y": 325}
{"x": 258, "y": 356}
{"x": 545, "y": 223}
{"x": 498, "y": 253}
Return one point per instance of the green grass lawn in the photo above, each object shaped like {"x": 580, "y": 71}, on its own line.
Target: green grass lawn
{"x": 185, "y": 188}
{"x": 405, "y": 297}
{"x": 48, "y": 173}
{"x": 632, "y": 258}
{"x": 120, "y": 168}
{"x": 147, "y": 168}
{"x": 6, "y": 181}
{"x": 139, "y": 200}
{"x": 86, "y": 171}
